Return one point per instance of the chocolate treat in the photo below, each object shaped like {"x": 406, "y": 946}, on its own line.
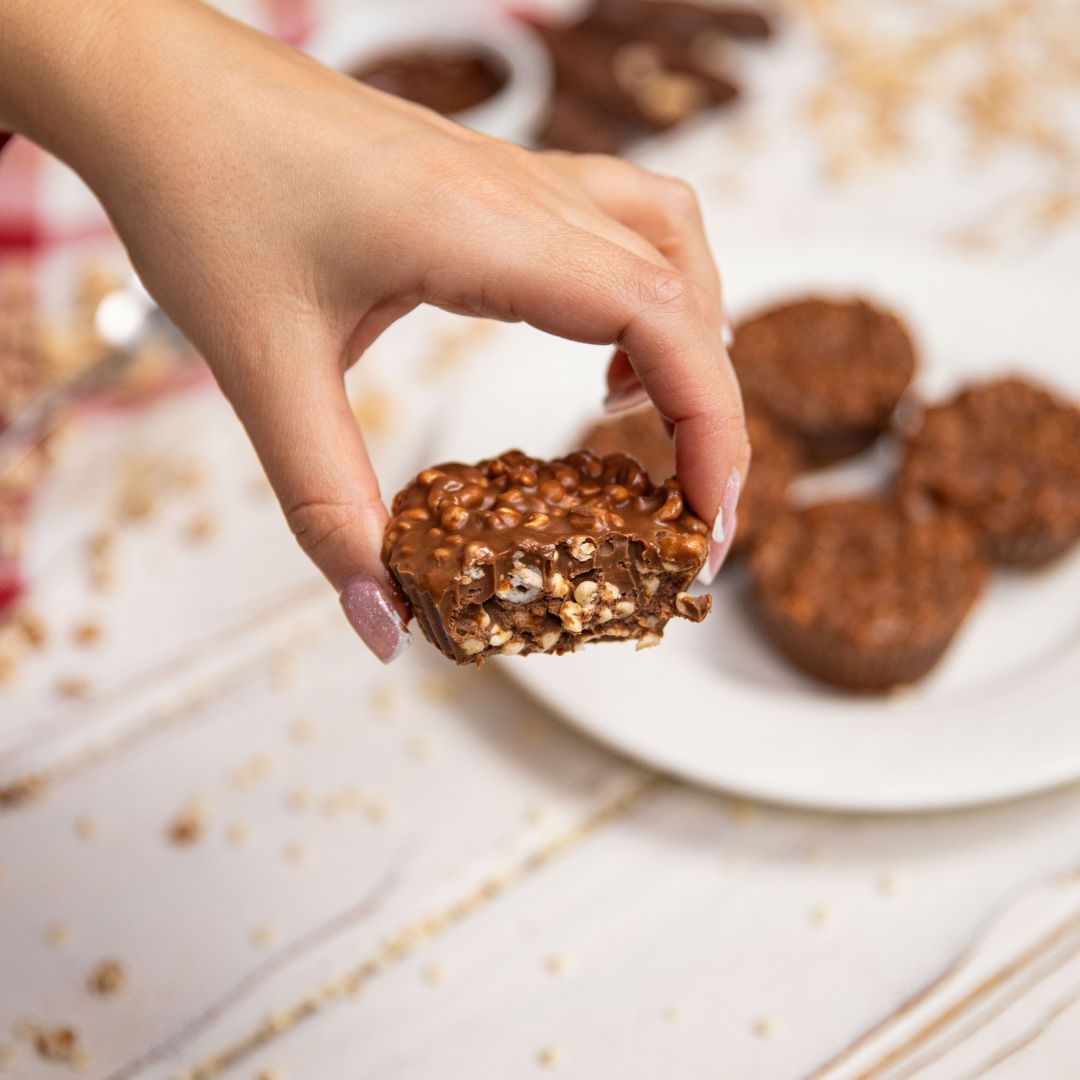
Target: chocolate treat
{"x": 776, "y": 462}
{"x": 447, "y": 78}
{"x": 830, "y": 372}
{"x": 680, "y": 21}
{"x": 1006, "y": 455}
{"x": 639, "y": 432}
{"x": 638, "y": 81}
{"x": 517, "y": 556}
{"x": 630, "y": 68}
{"x": 862, "y": 593}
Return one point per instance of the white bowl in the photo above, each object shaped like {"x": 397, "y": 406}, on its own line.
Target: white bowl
{"x": 360, "y": 34}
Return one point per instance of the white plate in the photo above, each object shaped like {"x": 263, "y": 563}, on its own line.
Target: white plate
{"x": 359, "y": 34}
{"x": 715, "y": 704}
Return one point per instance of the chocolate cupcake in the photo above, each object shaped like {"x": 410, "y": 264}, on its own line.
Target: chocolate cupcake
{"x": 1006, "y": 455}
{"x": 639, "y": 432}
{"x": 830, "y": 372}
{"x": 864, "y": 594}
{"x": 777, "y": 460}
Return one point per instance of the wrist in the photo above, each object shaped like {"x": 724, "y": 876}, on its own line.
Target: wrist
{"x": 45, "y": 61}
{"x": 109, "y": 86}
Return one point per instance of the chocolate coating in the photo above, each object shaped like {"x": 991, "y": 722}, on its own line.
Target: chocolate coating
{"x": 516, "y": 555}
{"x": 864, "y": 593}
{"x": 1006, "y": 455}
{"x": 830, "y": 372}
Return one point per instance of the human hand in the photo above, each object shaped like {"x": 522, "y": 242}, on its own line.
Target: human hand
{"x": 284, "y": 216}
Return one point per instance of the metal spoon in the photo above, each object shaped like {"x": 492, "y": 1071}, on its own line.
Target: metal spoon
{"x": 126, "y": 319}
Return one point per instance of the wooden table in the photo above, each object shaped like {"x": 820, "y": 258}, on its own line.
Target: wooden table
{"x": 306, "y": 865}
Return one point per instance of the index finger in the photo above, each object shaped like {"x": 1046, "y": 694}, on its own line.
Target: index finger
{"x": 578, "y": 285}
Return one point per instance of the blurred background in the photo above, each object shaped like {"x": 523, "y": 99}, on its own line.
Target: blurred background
{"x": 232, "y": 844}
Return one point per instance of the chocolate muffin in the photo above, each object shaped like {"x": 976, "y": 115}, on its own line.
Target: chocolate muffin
{"x": 777, "y": 461}
{"x": 641, "y": 433}
{"x": 830, "y": 372}
{"x": 864, "y": 594}
{"x": 1006, "y": 455}
{"x": 516, "y": 556}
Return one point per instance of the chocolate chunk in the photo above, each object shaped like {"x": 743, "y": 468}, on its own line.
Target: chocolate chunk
{"x": 450, "y": 79}
{"x": 830, "y": 372}
{"x": 516, "y": 555}
{"x": 1006, "y": 455}
{"x": 864, "y": 593}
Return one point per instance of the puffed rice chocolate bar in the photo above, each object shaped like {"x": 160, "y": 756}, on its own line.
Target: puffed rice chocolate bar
{"x": 516, "y": 556}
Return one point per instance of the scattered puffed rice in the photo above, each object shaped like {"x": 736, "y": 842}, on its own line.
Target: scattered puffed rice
{"x": 106, "y": 979}
{"x": 303, "y": 731}
{"x": 556, "y": 964}
{"x": 264, "y": 934}
{"x": 418, "y": 748}
{"x": 57, "y": 1044}
{"x": 87, "y": 634}
{"x": 887, "y": 884}
{"x": 189, "y": 826}
{"x": 295, "y": 852}
{"x": 73, "y": 686}
{"x": 86, "y": 828}
{"x": 201, "y": 527}
{"x": 56, "y": 934}
{"x": 237, "y": 834}
{"x": 547, "y": 1057}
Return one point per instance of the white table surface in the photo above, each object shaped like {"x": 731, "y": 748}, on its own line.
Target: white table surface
{"x": 414, "y": 872}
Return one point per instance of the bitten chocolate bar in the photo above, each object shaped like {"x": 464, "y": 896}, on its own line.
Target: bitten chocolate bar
{"x": 516, "y": 556}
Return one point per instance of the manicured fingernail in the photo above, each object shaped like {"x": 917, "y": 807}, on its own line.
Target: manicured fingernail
{"x": 630, "y": 394}
{"x": 723, "y": 529}
{"x": 728, "y": 328}
{"x": 371, "y": 614}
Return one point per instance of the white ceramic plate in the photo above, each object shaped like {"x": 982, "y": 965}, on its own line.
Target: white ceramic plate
{"x": 714, "y": 704}
{"x": 359, "y": 34}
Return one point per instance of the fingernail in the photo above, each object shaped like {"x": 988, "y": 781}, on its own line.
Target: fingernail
{"x": 626, "y": 396}
{"x": 728, "y": 328}
{"x": 723, "y": 529}
{"x": 371, "y": 614}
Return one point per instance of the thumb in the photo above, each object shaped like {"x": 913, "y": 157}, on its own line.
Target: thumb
{"x": 299, "y": 420}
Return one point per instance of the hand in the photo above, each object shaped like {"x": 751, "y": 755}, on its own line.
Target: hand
{"x": 285, "y": 215}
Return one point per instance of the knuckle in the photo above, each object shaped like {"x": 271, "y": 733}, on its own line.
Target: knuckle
{"x": 679, "y": 200}
{"x": 666, "y": 291}
{"x": 316, "y": 522}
